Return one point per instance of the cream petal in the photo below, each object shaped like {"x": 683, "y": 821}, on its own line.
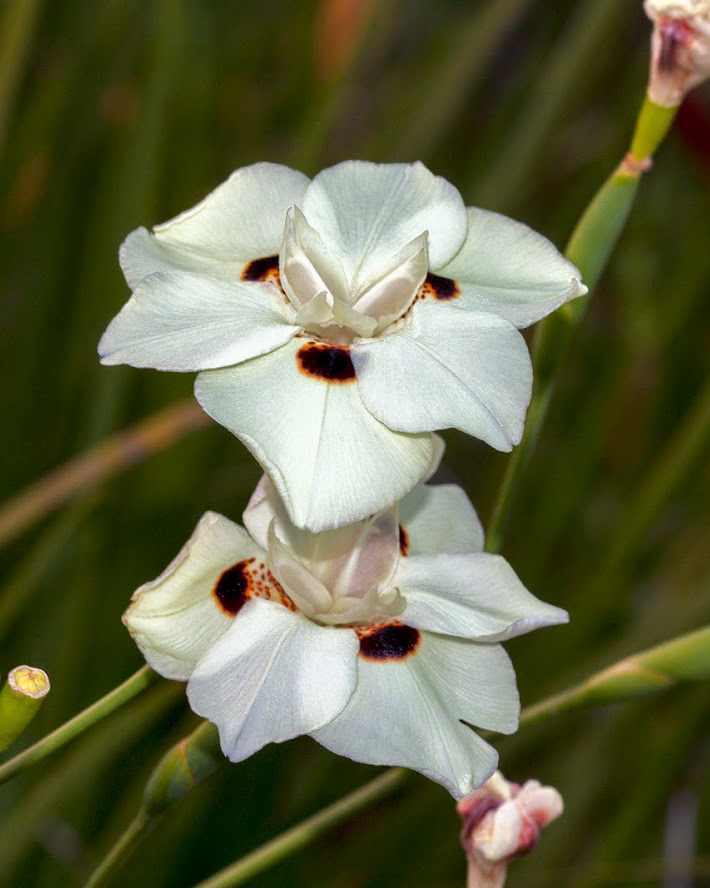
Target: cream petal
{"x": 475, "y": 596}
{"x": 175, "y": 618}
{"x": 407, "y": 711}
{"x": 272, "y": 676}
{"x": 448, "y": 368}
{"x": 180, "y": 321}
{"x": 508, "y": 269}
{"x": 242, "y": 218}
{"x": 389, "y": 297}
{"x": 366, "y": 213}
{"x": 439, "y": 519}
{"x": 307, "y": 268}
{"x": 330, "y": 460}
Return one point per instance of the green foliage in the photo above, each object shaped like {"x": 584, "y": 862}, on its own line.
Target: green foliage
{"x": 123, "y": 113}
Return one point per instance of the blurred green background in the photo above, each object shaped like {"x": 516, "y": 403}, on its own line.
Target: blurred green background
{"x": 121, "y": 113}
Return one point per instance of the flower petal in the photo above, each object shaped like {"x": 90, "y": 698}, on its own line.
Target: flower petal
{"x": 175, "y": 618}
{"x": 508, "y": 269}
{"x": 272, "y": 676}
{"x": 330, "y": 460}
{"x": 182, "y": 321}
{"x": 448, "y": 368}
{"x": 406, "y": 712}
{"x": 366, "y": 213}
{"x": 142, "y": 253}
{"x": 395, "y": 291}
{"x": 439, "y": 519}
{"x": 307, "y": 268}
{"x": 243, "y": 218}
{"x": 475, "y": 596}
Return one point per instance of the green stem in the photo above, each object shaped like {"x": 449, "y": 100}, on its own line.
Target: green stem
{"x": 123, "y": 847}
{"x": 305, "y": 832}
{"x": 590, "y": 247}
{"x": 78, "y": 725}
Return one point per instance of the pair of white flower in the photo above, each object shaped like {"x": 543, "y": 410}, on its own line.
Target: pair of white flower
{"x": 336, "y": 324}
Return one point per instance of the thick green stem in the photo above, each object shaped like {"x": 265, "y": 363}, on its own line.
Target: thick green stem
{"x": 590, "y": 247}
{"x": 78, "y": 725}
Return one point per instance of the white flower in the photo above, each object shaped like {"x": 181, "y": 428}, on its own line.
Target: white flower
{"x": 680, "y": 48}
{"x": 378, "y": 639}
{"x": 338, "y": 322}
{"x": 502, "y": 821}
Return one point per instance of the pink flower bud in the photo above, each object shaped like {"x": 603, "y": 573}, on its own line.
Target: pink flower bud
{"x": 501, "y": 821}
{"x": 680, "y": 48}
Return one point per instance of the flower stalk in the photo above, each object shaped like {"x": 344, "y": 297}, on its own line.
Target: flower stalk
{"x": 589, "y": 248}
{"x": 20, "y": 700}
{"x": 683, "y": 659}
{"x": 78, "y": 725}
{"x": 188, "y": 763}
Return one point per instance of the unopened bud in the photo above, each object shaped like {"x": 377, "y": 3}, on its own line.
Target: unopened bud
{"x": 680, "y": 48}
{"x": 188, "y": 763}
{"x": 502, "y": 821}
{"x": 20, "y": 699}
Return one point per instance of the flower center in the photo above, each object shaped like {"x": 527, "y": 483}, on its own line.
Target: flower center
{"x": 342, "y": 576}
{"x": 335, "y": 308}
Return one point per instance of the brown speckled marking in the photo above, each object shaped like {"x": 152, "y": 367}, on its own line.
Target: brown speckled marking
{"x": 330, "y": 363}
{"x": 266, "y": 270}
{"x": 403, "y": 541}
{"x": 244, "y": 580}
{"x": 388, "y": 641}
{"x": 440, "y": 288}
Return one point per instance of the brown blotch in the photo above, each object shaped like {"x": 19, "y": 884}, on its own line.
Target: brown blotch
{"x": 266, "y": 270}
{"x": 388, "y": 641}
{"x": 439, "y": 287}
{"x": 331, "y": 363}
{"x": 234, "y": 587}
{"x": 403, "y": 541}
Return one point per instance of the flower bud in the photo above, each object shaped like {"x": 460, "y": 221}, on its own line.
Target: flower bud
{"x": 502, "y": 821}
{"x": 680, "y": 48}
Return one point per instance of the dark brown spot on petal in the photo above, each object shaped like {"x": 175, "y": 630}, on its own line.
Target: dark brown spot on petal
{"x": 403, "y": 541}
{"x": 440, "y": 287}
{"x": 266, "y": 270}
{"x": 245, "y": 580}
{"x": 234, "y": 587}
{"x": 389, "y": 641}
{"x": 331, "y": 363}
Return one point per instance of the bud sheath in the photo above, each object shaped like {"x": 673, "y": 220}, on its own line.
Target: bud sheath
{"x": 20, "y": 699}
